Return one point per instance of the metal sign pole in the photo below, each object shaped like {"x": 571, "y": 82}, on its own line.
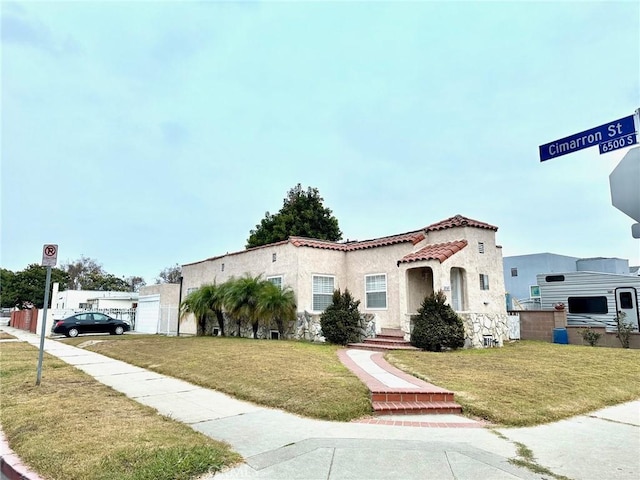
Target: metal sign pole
{"x": 44, "y": 324}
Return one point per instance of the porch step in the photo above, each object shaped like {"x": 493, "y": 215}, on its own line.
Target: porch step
{"x": 389, "y": 339}
{"x": 380, "y": 347}
{"x": 416, "y": 408}
{"x": 391, "y": 332}
{"x": 412, "y": 402}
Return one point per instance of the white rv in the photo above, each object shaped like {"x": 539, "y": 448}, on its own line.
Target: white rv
{"x": 592, "y": 298}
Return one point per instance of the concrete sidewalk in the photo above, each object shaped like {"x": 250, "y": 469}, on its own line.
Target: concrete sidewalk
{"x": 279, "y": 445}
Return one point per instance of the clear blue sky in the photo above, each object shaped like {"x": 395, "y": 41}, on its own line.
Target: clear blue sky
{"x": 144, "y": 134}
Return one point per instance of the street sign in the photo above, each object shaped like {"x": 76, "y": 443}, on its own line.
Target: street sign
{"x": 618, "y": 143}
{"x": 49, "y": 255}
{"x": 589, "y": 138}
{"x": 625, "y": 184}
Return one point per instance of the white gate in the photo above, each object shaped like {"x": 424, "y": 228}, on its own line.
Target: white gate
{"x": 148, "y": 314}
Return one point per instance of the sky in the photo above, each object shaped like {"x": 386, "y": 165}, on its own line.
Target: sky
{"x": 143, "y": 134}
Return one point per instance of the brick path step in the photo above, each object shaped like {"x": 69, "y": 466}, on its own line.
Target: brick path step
{"x": 389, "y": 339}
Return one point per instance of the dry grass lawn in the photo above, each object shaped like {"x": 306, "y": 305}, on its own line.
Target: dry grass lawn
{"x": 299, "y": 377}
{"x": 73, "y": 427}
{"x": 528, "y": 383}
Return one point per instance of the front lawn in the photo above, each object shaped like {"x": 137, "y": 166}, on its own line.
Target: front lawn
{"x": 299, "y": 377}
{"x": 528, "y": 383}
{"x": 73, "y": 427}
{"x": 523, "y": 383}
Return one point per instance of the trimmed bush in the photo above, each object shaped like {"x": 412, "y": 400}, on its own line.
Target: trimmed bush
{"x": 340, "y": 322}
{"x": 437, "y": 326}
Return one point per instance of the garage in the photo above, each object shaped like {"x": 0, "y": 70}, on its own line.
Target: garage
{"x": 148, "y": 314}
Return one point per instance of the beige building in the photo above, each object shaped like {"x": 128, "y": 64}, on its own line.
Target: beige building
{"x": 390, "y": 275}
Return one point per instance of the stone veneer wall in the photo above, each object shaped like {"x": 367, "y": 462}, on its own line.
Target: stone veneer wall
{"x": 476, "y": 327}
{"x": 306, "y": 327}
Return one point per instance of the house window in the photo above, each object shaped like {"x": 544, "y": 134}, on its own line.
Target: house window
{"x": 277, "y": 280}
{"x": 323, "y": 287}
{"x": 222, "y": 267}
{"x": 586, "y": 305}
{"x": 376, "y": 291}
{"x": 481, "y": 247}
{"x": 484, "y": 282}
{"x": 85, "y": 306}
{"x": 191, "y": 290}
{"x": 273, "y": 257}
{"x": 514, "y": 272}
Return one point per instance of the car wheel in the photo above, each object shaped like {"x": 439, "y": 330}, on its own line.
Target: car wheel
{"x": 72, "y": 332}
{"x": 119, "y": 330}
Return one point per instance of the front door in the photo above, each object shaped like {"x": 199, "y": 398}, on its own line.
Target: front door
{"x": 627, "y": 302}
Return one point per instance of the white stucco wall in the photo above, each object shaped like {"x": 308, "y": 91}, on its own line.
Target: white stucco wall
{"x": 297, "y": 265}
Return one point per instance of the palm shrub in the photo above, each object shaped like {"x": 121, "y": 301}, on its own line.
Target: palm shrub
{"x": 340, "y": 322}
{"x": 277, "y": 305}
{"x": 437, "y": 326}
{"x": 241, "y": 301}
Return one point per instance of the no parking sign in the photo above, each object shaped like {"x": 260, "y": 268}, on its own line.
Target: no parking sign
{"x": 49, "y": 255}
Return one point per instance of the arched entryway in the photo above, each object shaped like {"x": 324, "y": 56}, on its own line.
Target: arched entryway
{"x": 419, "y": 285}
{"x": 457, "y": 280}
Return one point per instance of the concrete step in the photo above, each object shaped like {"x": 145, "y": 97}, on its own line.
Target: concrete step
{"x": 386, "y": 340}
{"x": 391, "y": 332}
{"x": 415, "y": 408}
{"x": 379, "y": 347}
{"x": 407, "y": 396}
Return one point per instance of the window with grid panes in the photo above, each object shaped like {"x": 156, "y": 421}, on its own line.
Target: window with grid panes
{"x": 376, "y": 291}
{"x": 323, "y": 286}
{"x": 277, "y": 281}
{"x": 484, "y": 281}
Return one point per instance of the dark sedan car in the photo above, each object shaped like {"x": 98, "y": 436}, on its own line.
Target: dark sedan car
{"x": 89, "y": 322}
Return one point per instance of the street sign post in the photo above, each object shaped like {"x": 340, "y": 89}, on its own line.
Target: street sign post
{"x": 49, "y": 259}
{"x": 589, "y": 138}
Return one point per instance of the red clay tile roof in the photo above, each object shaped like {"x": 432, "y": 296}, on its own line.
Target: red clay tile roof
{"x": 438, "y": 251}
{"x": 413, "y": 237}
{"x": 459, "y": 221}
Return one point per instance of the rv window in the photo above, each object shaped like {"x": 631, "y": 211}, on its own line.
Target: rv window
{"x": 554, "y": 278}
{"x": 625, "y": 300}
{"x": 593, "y": 305}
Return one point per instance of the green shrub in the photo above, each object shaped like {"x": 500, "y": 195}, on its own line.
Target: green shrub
{"x": 437, "y": 326}
{"x": 590, "y": 336}
{"x": 624, "y": 329}
{"x": 340, "y": 322}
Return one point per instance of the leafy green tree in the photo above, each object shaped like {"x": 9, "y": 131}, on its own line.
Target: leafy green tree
{"x": 341, "y": 321}
{"x": 170, "y": 275}
{"x": 87, "y": 274}
{"x": 26, "y": 287}
{"x": 135, "y": 283}
{"x": 437, "y": 326}
{"x": 302, "y": 214}
{"x": 82, "y": 272}
{"x": 7, "y": 288}
{"x": 241, "y": 301}
{"x": 276, "y": 305}
{"x": 106, "y": 282}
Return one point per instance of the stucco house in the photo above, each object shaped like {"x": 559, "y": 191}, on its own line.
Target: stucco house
{"x": 390, "y": 276}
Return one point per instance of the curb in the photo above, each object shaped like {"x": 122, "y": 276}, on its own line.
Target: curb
{"x": 11, "y": 466}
